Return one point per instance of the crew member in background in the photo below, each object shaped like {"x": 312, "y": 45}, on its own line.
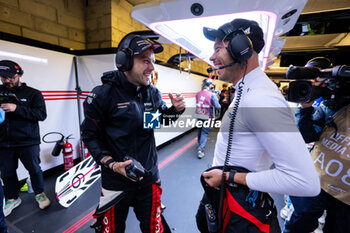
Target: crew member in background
{"x": 311, "y": 123}
{"x": 114, "y": 128}
{"x": 20, "y": 136}
{"x": 206, "y": 101}
{"x": 225, "y": 99}
{"x": 258, "y": 130}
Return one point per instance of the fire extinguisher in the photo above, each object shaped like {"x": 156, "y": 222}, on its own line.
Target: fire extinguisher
{"x": 56, "y": 151}
{"x": 68, "y": 162}
{"x": 86, "y": 152}
{"x": 62, "y": 144}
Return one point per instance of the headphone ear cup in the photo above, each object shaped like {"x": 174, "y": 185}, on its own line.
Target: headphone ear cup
{"x": 123, "y": 59}
{"x": 240, "y": 48}
{"x": 120, "y": 60}
{"x": 129, "y": 59}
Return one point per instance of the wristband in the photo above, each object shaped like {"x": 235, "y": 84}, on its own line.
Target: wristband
{"x": 113, "y": 166}
{"x": 108, "y": 162}
{"x": 231, "y": 176}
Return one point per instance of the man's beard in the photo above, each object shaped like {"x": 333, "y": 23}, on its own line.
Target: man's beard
{"x": 11, "y": 86}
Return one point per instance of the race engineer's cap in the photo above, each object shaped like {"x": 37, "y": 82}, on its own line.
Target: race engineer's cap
{"x": 138, "y": 45}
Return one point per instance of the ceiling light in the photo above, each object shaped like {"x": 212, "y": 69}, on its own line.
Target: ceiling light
{"x": 23, "y": 57}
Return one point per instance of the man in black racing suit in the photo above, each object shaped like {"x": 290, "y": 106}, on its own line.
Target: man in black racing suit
{"x": 114, "y": 128}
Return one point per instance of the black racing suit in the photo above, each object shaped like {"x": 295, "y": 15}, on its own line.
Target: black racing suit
{"x": 113, "y": 126}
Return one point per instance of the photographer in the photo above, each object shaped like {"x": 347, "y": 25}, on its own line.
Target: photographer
{"x": 312, "y": 123}
{"x": 19, "y": 135}
{"x": 114, "y": 127}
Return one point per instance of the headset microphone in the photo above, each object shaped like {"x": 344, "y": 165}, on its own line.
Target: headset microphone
{"x": 209, "y": 69}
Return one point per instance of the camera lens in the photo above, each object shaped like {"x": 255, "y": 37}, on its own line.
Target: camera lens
{"x": 303, "y": 90}
{"x": 197, "y": 9}
{"x": 300, "y": 92}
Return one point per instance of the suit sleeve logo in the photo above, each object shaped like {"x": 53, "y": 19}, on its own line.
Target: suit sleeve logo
{"x": 151, "y": 120}
{"x": 91, "y": 96}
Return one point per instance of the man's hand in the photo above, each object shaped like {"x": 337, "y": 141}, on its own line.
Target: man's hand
{"x": 213, "y": 177}
{"x": 8, "y": 107}
{"x": 178, "y": 102}
{"x": 119, "y": 167}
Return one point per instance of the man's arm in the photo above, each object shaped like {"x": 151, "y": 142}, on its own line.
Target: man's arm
{"x": 213, "y": 177}
{"x": 275, "y": 129}
{"x": 36, "y": 111}
{"x": 92, "y": 128}
{"x": 294, "y": 172}
{"x": 93, "y": 131}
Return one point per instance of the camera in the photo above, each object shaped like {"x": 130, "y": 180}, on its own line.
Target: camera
{"x": 7, "y": 98}
{"x": 134, "y": 170}
{"x": 335, "y": 85}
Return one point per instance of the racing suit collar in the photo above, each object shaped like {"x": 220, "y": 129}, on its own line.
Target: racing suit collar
{"x": 118, "y": 78}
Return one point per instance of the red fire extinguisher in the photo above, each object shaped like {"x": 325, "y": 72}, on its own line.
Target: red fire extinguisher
{"x": 86, "y": 152}
{"x": 68, "y": 162}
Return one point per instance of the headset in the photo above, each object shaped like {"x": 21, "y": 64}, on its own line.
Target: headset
{"x": 240, "y": 46}
{"x": 19, "y": 70}
{"x": 124, "y": 57}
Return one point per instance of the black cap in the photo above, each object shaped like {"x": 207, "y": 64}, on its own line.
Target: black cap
{"x": 138, "y": 45}
{"x": 9, "y": 68}
{"x": 250, "y": 28}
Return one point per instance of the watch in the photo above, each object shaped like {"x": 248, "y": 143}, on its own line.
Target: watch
{"x": 231, "y": 181}
{"x": 108, "y": 162}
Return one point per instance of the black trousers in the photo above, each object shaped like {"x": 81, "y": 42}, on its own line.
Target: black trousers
{"x": 147, "y": 208}
{"x": 30, "y": 157}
